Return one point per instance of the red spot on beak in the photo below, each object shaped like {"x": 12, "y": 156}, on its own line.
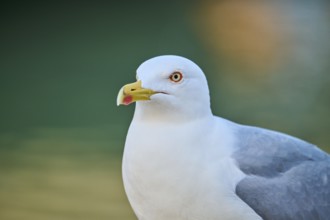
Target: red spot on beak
{"x": 128, "y": 100}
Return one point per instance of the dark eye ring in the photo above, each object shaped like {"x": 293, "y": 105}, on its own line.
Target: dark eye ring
{"x": 176, "y": 77}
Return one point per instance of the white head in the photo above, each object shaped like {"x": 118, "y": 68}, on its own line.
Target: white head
{"x": 168, "y": 87}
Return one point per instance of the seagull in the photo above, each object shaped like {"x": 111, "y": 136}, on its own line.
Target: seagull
{"x": 181, "y": 162}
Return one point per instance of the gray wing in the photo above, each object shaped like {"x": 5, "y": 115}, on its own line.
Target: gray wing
{"x": 287, "y": 177}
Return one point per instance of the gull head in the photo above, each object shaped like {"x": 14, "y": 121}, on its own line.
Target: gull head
{"x": 168, "y": 87}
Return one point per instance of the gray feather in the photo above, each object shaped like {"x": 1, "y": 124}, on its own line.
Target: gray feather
{"x": 287, "y": 178}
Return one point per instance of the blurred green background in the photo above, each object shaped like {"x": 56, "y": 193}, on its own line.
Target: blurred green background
{"x": 62, "y": 64}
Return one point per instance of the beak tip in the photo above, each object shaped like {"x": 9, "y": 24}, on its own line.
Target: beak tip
{"x": 120, "y": 96}
{"x": 119, "y": 102}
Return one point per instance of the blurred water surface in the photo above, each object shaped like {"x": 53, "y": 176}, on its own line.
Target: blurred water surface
{"x": 61, "y": 174}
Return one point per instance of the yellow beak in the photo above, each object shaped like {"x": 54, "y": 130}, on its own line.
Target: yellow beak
{"x": 133, "y": 92}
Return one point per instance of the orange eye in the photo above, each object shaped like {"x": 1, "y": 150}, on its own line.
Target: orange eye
{"x": 176, "y": 77}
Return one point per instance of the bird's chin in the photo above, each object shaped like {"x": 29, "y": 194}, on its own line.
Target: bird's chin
{"x": 159, "y": 96}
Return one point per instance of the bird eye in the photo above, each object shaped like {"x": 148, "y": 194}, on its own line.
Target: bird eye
{"x": 176, "y": 77}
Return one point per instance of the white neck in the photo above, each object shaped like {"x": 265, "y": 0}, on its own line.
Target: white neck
{"x": 149, "y": 111}
{"x": 167, "y": 175}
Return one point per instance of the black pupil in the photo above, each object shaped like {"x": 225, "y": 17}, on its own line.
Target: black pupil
{"x": 176, "y": 76}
